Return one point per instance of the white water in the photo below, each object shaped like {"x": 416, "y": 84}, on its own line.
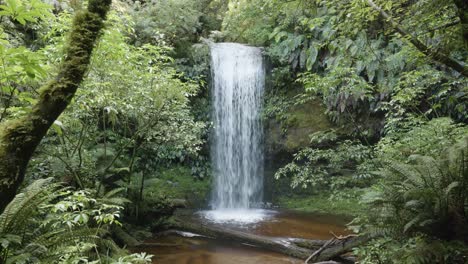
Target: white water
{"x": 237, "y": 154}
{"x": 238, "y": 216}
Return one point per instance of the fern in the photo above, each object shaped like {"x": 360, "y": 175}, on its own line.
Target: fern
{"x": 419, "y": 210}
{"x": 24, "y": 205}
{"x": 38, "y": 227}
{"x": 112, "y": 197}
{"x": 428, "y": 195}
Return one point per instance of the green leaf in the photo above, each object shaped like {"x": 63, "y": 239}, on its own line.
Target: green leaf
{"x": 313, "y": 53}
{"x": 303, "y": 58}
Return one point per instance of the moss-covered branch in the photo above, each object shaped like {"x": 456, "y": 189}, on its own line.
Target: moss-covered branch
{"x": 19, "y": 138}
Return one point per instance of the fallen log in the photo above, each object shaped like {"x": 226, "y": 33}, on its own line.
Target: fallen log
{"x": 294, "y": 247}
{"x": 264, "y": 242}
{"x": 123, "y": 237}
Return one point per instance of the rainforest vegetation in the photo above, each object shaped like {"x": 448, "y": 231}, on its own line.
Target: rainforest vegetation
{"x": 105, "y": 121}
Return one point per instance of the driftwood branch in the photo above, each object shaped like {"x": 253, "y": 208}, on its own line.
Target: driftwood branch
{"x": 340, "y": 247}
{"x": 436, "y": 55}
{"x": 316, "y": 253}
{"x": 336, "y": 246}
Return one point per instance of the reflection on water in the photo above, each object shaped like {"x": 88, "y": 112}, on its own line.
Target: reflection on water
{"x": 204, "y": 251}
{"x": 300, "y": 225}
{"x": 198, "y": 250}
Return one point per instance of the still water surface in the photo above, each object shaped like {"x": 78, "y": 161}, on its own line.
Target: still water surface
{"x": 198, "y": 250}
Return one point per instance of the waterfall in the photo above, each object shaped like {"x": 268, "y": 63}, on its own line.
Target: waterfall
{"x": 237, "y": 154}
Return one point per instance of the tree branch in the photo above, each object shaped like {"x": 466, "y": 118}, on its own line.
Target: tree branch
{"x": 444, "y": 26}
{"x": 436, "y": 55}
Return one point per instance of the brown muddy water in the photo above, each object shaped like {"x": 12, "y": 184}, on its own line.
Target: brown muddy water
{"x": 174, "y": 249}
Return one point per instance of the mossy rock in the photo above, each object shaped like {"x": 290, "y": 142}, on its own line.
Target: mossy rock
{"x": 302, "y": 120}
{"x": 286, "y": 137}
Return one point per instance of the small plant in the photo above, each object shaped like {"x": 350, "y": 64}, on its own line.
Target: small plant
{"x": 330, "y": 162}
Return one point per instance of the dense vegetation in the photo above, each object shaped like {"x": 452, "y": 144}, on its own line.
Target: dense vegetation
{"x": 105, "y": 120}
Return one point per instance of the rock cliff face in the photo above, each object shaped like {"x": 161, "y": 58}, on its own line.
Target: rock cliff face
{"x": 283, "y": 139}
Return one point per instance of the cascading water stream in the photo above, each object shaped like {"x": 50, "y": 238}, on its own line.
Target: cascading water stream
{"x": 237, "y": 154}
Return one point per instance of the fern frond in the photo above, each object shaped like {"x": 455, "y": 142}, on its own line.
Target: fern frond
{"x": 114, "y": 192}
{"x": 119, "y": 201}
{"x": 24, "y": 205}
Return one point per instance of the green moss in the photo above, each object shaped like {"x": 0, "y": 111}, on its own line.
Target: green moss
{"x": 304, "y": 120}
{"x": 292, "y": 133}
{"x": 100, "y": 7}
{"x": 346, "y": 204}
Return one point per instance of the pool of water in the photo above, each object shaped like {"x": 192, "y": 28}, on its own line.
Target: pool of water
{"x": 198, "y": 250}
{"x": 178, "y": 249}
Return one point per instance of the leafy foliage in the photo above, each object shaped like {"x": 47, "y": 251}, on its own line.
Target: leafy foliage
{"x": 421, "y": 200}
{"x": 360, "y": 68}
{"x": 427, "y": 195}
{"x": 22, "y": 68}
{"x": 328, "y": 158}
{"x": 133, "y": 106}
{"x": 248, "y": 21}
{"x": 25, "y": 11}
{"x": 131, "y": 114}
{"x": 421, "y": 138}
{"x": 135, "y": 135}
{"x": 180, "y": 24}
{"x": 419, "y": 249}
{"x": 47, "y": 219}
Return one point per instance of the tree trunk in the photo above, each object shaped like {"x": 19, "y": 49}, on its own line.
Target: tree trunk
{"x": 19, "y": 138}
{"x": 294, "y": 247}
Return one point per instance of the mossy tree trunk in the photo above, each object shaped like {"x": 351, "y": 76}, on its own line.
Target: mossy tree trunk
{"x": 19, "y": 138}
